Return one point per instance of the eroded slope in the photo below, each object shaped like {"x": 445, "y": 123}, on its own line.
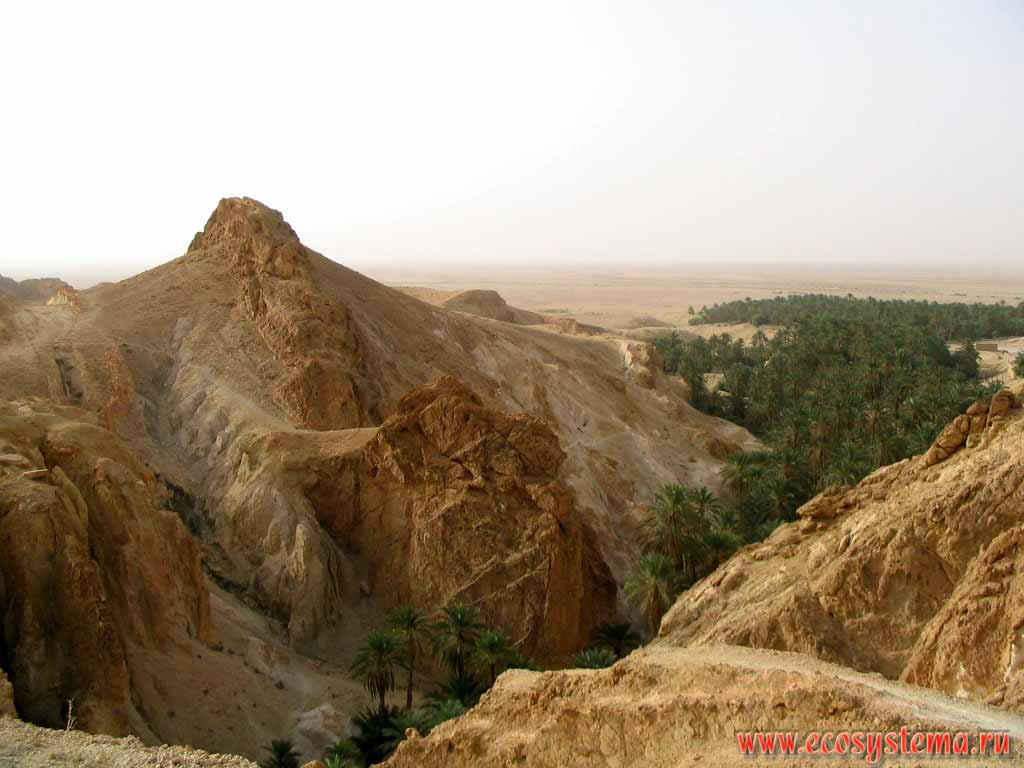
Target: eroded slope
{"x": 664, "y": 707}
{"x": 913, "y": 573}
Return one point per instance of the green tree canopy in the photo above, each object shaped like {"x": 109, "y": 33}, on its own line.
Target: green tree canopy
{"x": 375, "y": 664}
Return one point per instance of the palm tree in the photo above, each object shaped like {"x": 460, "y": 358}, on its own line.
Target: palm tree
{"x": 375, "y": 663}
{"x": 705, "y": 503}
{"x": 619, "y": 637}
{"x": 650, "y": 587}
{"x": 776, "y": 489}
{"x": 846, "y": 467}
{"x": 516, "y": 660}
{"x": 454, "y": 635}
{"x": 282, "y": 755}
{"x": 743, "y": 470}
{"x": 413, "y": 628}
{"x": 673, "y": 518}
{"x": 491, "y": 651}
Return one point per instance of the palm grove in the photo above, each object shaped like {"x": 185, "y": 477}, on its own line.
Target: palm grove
{"x": 842, "y": 387}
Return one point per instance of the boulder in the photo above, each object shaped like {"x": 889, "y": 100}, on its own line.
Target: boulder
{"x": 1002, "y": 403}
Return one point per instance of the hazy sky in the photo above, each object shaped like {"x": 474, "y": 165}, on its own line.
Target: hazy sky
{"x": 392, "y": 132}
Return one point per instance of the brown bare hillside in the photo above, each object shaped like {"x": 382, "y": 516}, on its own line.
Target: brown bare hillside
{"x": 913, "y": 573}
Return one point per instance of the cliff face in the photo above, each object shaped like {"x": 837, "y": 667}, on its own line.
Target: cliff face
{"x": 90, "y": 564}
{"x": 448, "y": 500}
{"x": 913, "y": 573}
{"x": 462, "y": 502}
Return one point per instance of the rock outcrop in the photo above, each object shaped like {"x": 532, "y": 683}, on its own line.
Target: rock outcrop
{"x": 973, "y": 646}
{"x": 90, "y": 565}
{"x": 970, "y": 428}
{"x": 903, "y": 574}
{"x": 447, "y": 501}
{"x": 470, "y": 501}
{"x": 572, "y": 326}
{"x": 65, "y": 296}
{"x": 643, "y": 363}
{"x": 306, "y": 331}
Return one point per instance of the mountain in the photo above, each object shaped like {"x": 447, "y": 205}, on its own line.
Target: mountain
{"x": 34, "y": 290}
{"x": 334, "y": 448}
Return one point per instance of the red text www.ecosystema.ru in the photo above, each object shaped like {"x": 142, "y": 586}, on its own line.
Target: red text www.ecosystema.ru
{"x": 874, "y": 746}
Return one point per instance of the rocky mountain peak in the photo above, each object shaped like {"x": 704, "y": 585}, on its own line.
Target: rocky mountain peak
{"x": 255, "y": 237}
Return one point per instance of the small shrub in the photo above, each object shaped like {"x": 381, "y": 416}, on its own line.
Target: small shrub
{"x": 443, "y": 711}
{"x": 343, "y": 754}
{"x": 372, "y": 738}
{"x": 595, "y": 658}
{"x": 282, "y": 755}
